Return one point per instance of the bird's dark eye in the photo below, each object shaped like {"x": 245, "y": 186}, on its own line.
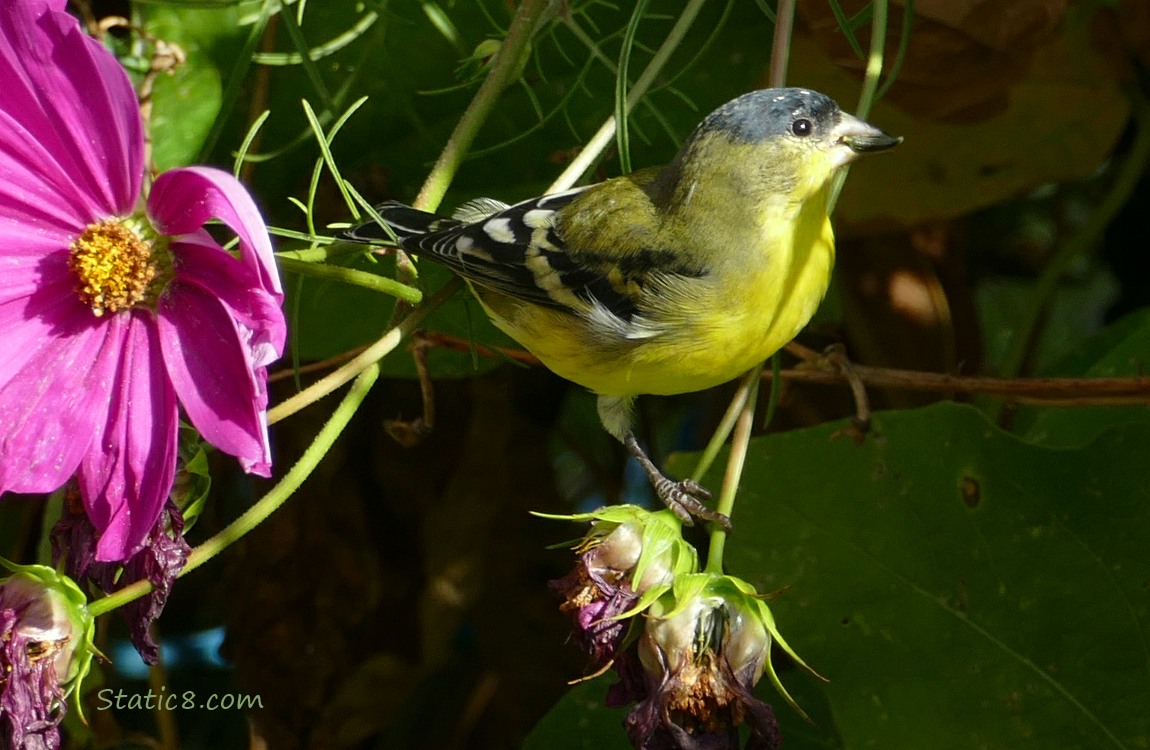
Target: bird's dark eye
{"x": 801, "y": 127}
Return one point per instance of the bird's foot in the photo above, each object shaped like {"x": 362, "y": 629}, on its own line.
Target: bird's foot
{"x": 686, "y": 500}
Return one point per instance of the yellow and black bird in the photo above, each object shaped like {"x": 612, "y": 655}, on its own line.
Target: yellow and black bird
{"x": 667, "y": 280}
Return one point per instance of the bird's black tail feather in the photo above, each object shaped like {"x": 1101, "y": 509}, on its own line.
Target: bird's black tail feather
{"x": 404, "y": 221}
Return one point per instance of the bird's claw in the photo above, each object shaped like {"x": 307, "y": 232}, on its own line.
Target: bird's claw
{"x": 687, "y": 499}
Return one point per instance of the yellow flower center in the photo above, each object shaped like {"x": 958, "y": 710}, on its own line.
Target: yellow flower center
{"x": 114, "y": 267}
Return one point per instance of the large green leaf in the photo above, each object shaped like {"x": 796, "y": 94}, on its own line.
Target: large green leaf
{"x": 960, "y": 588}
{"x": 1118, "y": 351}
{"x": 186, "y": 102}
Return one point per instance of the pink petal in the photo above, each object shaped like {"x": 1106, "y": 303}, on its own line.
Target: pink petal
{"x": 127, "y": 474}
{"x": 211, "y": 368}
{"x": 31, "y": 184}
{"x": 202, "y": 262}
{"x": 73, "y": 140}
{"x": 22, "y": 241}
{"x": 25, "y": 276}
{"x": 54, "y": 393}
{"x": 183, "y": 200}
{"x": 41, "y": 322}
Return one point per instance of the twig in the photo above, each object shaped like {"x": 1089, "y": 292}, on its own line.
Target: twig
{"x": 1069, "y": 392}
{"x": 457, "y": 344}
{"x": 410, "y": 433}
{"x": 336, "y": 361}
{"x": 1062, "y": 392}
{"x": 836, "y": 356}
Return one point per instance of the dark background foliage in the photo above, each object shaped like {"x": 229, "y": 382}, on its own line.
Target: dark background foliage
{"x": 967, "y": 577}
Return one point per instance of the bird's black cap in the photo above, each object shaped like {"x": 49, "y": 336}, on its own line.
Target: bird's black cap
{"x": 768, "y": 113}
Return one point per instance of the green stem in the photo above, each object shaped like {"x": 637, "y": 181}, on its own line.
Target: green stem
{"x": 602, "y": 137}
{"x": 505, "y": 69}
{"x": 622, "y": 105}
{"x": 748, "y": 391}
{"x": 365, "y": 359}
{"x": 1086, "y": 237}
{"x": 735, "y": 461}
{"x": 374, "y": 282}
{"x": 903, "y": 46}
{"x": 874, "y": 60}
{"x": 874, "y": 65}
{"x": 723, "y": 431}
{"x": 266, "y": 505}
{"x": 781, "y": 46}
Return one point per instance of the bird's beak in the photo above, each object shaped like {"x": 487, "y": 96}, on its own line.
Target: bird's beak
{"x": 853, "y": 138}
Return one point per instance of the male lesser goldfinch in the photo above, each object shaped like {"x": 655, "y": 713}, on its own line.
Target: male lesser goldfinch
{"x": 667, "y": 280}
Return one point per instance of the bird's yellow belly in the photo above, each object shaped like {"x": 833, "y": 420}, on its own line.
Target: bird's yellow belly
{"x": 734, "y": 329}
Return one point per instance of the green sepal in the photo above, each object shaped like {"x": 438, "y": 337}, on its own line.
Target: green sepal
{"x": 686, "y": 589}
{"x": 649, "y": 597}
{"x": 768, "y": 620}
{"x": 741, "y": 594}
{"x": 619, "y": 514}
{"x": 663, "y": 534}
{"x": 753, "y": 601}
{"x": 198, "y": 483}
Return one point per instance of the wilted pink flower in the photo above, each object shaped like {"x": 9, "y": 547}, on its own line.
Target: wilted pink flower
{"x": 702, "y": 662}
{"x": 45, "y": 651}
{"x": 693, "y": 671}
{"x": 159, "y": 561}
{"x": 113, "y": 312}
{"x": 627, "y": 553}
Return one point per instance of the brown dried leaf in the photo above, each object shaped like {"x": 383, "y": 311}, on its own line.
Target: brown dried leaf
{"x": 1059, "y": 121}
{"x": 1128, "y": 21}
{"x": 963, "y": 56}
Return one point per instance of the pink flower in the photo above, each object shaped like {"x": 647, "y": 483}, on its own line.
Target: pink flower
{"x": 112, "y": 312}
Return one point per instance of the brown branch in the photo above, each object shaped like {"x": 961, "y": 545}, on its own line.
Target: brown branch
{"x": 320, "y": 366}
{"x": 836, "y": 359}
{"x": 456, "y": 344}
{"x": 815, "y": 369}
{"x": 1128, "y": 391}
{"x": 411, "y": 432}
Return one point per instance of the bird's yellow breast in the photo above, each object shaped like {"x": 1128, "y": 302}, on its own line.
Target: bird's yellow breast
{"x": 758, "y": 293}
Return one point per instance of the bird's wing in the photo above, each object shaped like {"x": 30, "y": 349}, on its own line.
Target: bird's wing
{"x": 515, "y": 251}
{"x": 527, "y": 251}
{"x": 403, "y": 222}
